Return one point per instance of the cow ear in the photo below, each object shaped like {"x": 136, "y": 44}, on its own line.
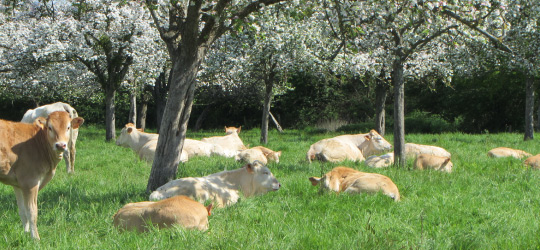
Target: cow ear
{"x": 314, "y": 180}
{"x": 249, "y": 168}
{"x": 40, "y": 122}
{"x": 77, "y": 122}
{"x": 278, "y": 153}
{"x": 367, "y": 137}
{"x": 446, "y": 161}
{"x": 129, "y": 130}
{"x": 225, "y": 129}
{"x": 238, "y": 130}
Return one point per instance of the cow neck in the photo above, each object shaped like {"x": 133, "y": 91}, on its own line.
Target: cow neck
{"x": 52, "y": 156}
{"x": 236, "y": 180}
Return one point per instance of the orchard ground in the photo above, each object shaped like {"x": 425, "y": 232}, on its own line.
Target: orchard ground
{"x": 484, "y": 203}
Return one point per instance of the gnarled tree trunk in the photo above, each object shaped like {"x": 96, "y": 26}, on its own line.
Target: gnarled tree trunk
{"x": 380, "y": 100}
{"x": 110, "y": 132}
{"x": 529, "y": 109}
{"x": 399, "y": 114}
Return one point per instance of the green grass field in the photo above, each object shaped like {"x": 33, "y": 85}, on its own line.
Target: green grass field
{"x": 485, "y": 203}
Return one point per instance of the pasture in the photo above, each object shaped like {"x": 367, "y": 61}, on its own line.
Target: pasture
{"x": 485, "y": 203}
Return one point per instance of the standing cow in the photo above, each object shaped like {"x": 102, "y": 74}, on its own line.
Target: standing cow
{"x": 29, "y": 154}
{"x": 44, "y": 111}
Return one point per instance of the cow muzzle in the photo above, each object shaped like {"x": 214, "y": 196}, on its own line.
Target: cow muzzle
{"x": 61, "y": 146}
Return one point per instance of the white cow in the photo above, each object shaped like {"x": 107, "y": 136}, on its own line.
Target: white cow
{"x": 222, "y": 188}
{"x": 380, "y": 161}
{"x": 412, "y": 150}
{"x": 229, "y": 145}
{"x": 507, "y": 152}
{"x": 144, "y": 144}
{"x": 44, "y": 111}
{"x": 348, "y": 147}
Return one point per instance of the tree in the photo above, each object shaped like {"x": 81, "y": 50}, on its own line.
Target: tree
{"x": 188, "y": 29}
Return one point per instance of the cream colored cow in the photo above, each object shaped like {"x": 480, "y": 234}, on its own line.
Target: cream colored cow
{"x": 348, "y": 147}
{"x": 178, "y": 210}
{"x": 258, "y": 153}
{"x": 229, "y": 145}
{"x": 222, "y": 188}
{"x": 29, "y": 154}
{"x": 344, "y": 179}
{"x": 440, "y": 163}
{"x": 144, "y": 144}
{"x": 380, "y": 161}
{"x": 412, "y": 150}
{"x": 507, "y": 152}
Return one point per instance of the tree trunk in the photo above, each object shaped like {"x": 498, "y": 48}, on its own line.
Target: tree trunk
{"x": 276, "y": 122}
{"x": 141, "y": 119}
{"x": 133, "y": 107}
{"x": 529, "y": 109}
{"x": 399, "y": 114}
{"x": 269, "y": 84}
{"x": 380, "y": 100}
{"x": 175, "y": 118}
{"x": 160, "y": 94}
{"x": 110, "y": 132}
{"x": 201, "y": 117}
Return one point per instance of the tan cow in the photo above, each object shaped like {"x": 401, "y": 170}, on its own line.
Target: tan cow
{"x": 348, "y": 147}
{"x": 44, "y": 111}
{"x": 229, "y": 145}
{"x": 507, "y": 152}
{"x": 344, "y": 179}
{"x": 440, "y": 163}
{"x": 144, "y": 144}
{"x": 533, "y": 161}
{"x": 412, "y": 150}
{"x": 258, "y": 153}
{"x": 178, "y": 210}
{"x": 29, "y": 154}
{"x": 222, "y": 188}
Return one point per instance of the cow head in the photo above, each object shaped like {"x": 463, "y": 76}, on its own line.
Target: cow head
{"x": 230, "y": 130}
{"x": 57, "y": 127}
{"x": 326, "y": 182}
{"x": 263, "y": 180}
{"x": 125, "y": 135}
{"x": 447, "y": 165}
{"x": 374, "y": 144}
{"x": 273, "y": 156}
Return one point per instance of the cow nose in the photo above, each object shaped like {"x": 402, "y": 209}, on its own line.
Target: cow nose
{"x": 61, "y": 146}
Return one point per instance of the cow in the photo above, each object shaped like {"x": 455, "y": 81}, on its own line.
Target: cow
{"x": 533, "y": 161}
{"x": 258, "y": 153}
{"x": 348, "y": 147}
{"x": 427, "y": 161}
{"x": 177, "y": 210}
{"x": 507, "y": 152}
{"x": 344, "y": 179}
{"x": 229, "y": 145}
{"x": 29, "y": 154}
{"x": 381, "y": 161}
{"x": 222, "y": 188}
{"x": 412, "y": 150}
{"x": 44, "y": 111}
{"x": 144, "y": 144}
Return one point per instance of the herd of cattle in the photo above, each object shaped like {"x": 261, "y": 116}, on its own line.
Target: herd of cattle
{"x": 31, "y": 149}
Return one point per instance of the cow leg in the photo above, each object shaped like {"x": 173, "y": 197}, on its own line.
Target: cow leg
{"x": 30, "y": 202}
{"x": 22, "y": 208}
{"x": 67, "y": 159}
{"x": 72, "y": 152}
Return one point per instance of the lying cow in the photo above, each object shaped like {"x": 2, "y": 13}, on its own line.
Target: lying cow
{"x": 381, "y": 161}
{"x": 440, "y": 163}
{"x": 29, "y": 154}
{"x": 177, "y": 210}
{"x": 344, "y": 179}
{"x": 229, "y": 145}
{"x": 144, "y": 144}
{"x": 412, "y": 150}
{"x": 44, "y": 111}
{"x": 200, "y": 148}
{"x": 507, "y": 152}
{"x": 533, "y": 161}
{"x": 258, "y": 153}
{"x": 348, "y": 147}
{"x": 222, "y": 188}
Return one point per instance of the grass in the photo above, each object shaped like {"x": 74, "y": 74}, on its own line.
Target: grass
{"x": 485, "y": 203}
